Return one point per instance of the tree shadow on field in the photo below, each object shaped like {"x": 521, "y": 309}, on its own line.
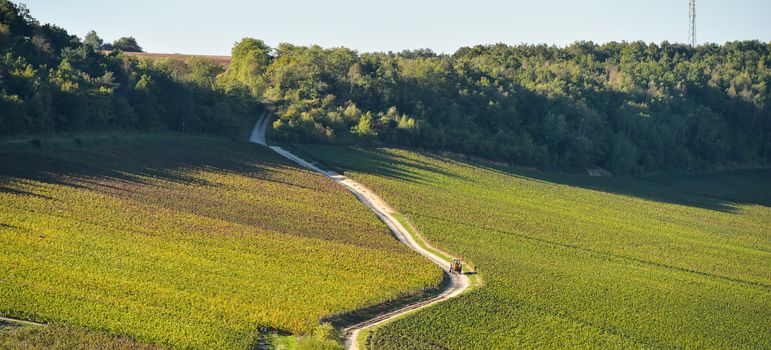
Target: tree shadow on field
{"x": 170, "y": 159}
{"x": 371, "y": 161}
{"x": 719, "y": 191}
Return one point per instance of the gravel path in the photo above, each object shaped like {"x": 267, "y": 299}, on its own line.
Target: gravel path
{"x": 458, "y": 282}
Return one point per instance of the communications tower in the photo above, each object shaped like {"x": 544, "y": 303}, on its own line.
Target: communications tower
{"x": 692, "y": 17}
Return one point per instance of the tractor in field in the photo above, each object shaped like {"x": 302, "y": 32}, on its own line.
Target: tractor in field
{"x": 455, "y": 266}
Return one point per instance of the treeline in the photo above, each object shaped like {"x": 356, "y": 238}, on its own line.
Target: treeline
{"x": 629, "y": 107}
{"x": 127, "y": 44}
{"x": 51, "y": 81}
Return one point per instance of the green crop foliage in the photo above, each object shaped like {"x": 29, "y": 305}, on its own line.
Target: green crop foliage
{"x": 189, "y": 242}
{"x": 572, "y": 261}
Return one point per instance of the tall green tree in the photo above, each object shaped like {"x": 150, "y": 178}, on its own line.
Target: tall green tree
{"x": 127, "y": 43}
{"x": 93, "y": 40}
{"x": 249, "y": 60}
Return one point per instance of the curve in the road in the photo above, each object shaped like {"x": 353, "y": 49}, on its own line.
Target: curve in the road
{"x": 458, "y": 282}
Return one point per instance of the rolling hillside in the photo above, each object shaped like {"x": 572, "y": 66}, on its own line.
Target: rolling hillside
{"x": 393, "y": 199}
{"x": 187, "y": 242}
{"x": 575, "y": 261}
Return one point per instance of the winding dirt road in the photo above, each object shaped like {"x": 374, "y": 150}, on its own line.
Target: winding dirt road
{"x": 457, "y": 283}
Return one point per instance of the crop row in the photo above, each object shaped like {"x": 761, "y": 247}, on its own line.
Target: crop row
{"x": 189, "y": 243}
{"x": 573, "y": 261}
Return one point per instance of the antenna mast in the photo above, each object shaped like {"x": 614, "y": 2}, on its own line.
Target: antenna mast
{"x": 692, "y": 30}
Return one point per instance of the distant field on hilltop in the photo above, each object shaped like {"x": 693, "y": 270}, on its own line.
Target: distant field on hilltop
{"x": 185, "y": 242}
{"x": 576, "y": 261}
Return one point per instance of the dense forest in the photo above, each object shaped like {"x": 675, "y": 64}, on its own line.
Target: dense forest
{"x": 628, "y": 107}
{"x": 51, "y": 81}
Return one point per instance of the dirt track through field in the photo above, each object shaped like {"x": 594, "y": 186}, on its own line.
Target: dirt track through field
{"x": 19, "y": 321}
{"x": 457, "y": 282}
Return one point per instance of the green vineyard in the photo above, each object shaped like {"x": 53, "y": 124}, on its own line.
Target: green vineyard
{"x": 187, "y": 242}
{"x": 581, "y": 262}
{"x": 392, "y": 175}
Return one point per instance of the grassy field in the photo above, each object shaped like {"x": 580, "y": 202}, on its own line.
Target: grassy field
{"x": 185, "y": 242}
{"x": 581, "y": 262}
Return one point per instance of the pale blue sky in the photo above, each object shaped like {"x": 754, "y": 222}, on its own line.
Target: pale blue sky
{"x": 211, "y": 27}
